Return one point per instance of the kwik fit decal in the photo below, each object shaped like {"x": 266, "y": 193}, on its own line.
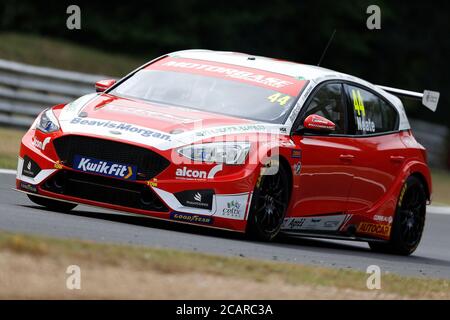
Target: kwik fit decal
{"x": 105, "y": 168}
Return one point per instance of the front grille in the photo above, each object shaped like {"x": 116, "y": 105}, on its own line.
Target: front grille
{"x": 149, "y": 163}
{"x": 104, "y": 189}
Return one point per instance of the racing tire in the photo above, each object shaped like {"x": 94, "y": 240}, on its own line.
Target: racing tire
{"x": 409, "y": 220}
{"x": 53, "y": 205}
{"x": 268, "y": 207}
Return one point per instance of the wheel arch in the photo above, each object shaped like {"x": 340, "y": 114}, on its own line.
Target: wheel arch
{"x": 421, "y": 171}
{"x": 424, "y": 181}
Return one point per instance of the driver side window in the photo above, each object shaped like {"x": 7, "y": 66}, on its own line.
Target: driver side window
{"x": 328, "y": 102}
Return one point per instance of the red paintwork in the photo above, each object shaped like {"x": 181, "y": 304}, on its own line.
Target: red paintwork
{"x": 102, "y": 85}
{"x": 318, "y": 123}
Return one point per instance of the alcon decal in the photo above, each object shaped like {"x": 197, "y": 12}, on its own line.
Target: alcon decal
{"x": 185, "y": 172}
{"x": 40, "y": 144}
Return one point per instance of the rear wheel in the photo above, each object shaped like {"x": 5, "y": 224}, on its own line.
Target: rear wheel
{"x": 269, "y": 205}
{"x": 53, "y": 205}
{"x": 409, "y": 220}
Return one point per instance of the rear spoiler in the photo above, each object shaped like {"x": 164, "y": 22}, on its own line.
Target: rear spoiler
{"x": 429, "y": 99}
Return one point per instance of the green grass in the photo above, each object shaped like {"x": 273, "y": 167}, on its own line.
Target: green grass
{"x": 9, "y": 147}
{"x": 178, "y": 262}
{"x": 42, "y": 51}
{"x": 441, "y": 187}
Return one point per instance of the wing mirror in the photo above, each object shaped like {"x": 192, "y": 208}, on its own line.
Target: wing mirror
{"x": 315, "y": 122}
{"x": 102, "y": 85}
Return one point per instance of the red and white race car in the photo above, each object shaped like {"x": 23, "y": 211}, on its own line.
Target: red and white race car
{"x": 238, "y": 142}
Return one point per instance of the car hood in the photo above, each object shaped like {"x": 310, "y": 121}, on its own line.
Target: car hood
{"x": 158, "y": 125}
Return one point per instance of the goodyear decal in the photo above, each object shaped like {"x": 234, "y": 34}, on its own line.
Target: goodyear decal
{"x": 191, "y": 218}
{"x": 374, "y": 229}
{"x": 104, "y": 168}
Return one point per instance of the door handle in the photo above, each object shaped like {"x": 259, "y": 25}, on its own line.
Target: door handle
{"x": 346, "y": 157}
{"x": 397, "y": 159}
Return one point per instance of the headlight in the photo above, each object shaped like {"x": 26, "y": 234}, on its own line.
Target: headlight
{"x": 47, "y": 122}
{"x": 217, "y": 152}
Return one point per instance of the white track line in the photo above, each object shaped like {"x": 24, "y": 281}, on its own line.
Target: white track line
{"x": 430, "y": 209}
{"x": 7, "y": 171}
{"x": 438, "y": 210}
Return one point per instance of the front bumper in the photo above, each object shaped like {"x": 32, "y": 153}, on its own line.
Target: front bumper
{"x": 220, "y": 202}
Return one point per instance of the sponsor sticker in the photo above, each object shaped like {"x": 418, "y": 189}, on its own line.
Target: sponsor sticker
{"x": 105, "y": 168}
{"x": 275, "y": 81}
{"x": 187, "y": 173}
{"x": 232, "y": 129}
{"x": 40, "y": 144}
{"x": 296, "y": 153}
{"x": 234, "y": 209}
{"x": 58, "y": 165}
{"x": 374, "y": 229}
{"x": 201, "y": 199}
{"x": 321, "y": 223}
{"x": 28, "y": 187}
{"x": 30, "y": 168}
{"x": 152, "y": 183}
{"x": 380, "y": 218}
{"x": 190, "y": 173}
{"x": 120, "y": 126}
{"x": 191, "y": 218}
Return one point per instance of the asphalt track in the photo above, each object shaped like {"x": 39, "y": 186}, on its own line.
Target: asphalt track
{"x": 18, "y": 214}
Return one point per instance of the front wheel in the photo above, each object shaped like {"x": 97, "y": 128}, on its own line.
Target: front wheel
{"x": 409, "y": 220}
{"x": 269, "y": 205}
{"x": 53, "y": 205}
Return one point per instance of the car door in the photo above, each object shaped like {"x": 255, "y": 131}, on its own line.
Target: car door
{"x": 325, "y": 178}
{"x": 379, "y": 150}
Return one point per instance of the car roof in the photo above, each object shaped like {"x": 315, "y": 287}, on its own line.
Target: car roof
{"x": 297, "y": 70}
{"x": 284, "y": 67}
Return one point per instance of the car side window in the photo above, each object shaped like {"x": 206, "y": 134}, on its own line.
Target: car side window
{"x": 371, "y": 113}
{"x": 328, "y": 102}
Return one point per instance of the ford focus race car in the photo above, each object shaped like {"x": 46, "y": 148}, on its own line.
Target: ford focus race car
{"x": 238, "y": 142}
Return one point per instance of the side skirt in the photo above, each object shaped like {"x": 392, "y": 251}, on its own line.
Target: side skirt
{"x": 330, "y": 236}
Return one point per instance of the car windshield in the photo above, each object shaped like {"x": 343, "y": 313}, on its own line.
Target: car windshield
{"x": 239, "y": 94}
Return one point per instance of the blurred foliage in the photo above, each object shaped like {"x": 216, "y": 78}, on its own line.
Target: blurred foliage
{"x": 39, "y": 50}
{"x": 410, "y": 51}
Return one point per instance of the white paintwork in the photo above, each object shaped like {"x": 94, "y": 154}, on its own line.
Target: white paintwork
{"x": 41, "y": 176}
